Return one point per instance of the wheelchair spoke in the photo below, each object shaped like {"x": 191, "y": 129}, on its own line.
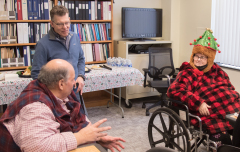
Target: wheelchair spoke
{"x": 163, "y": 123}
{"x": 159, "y": 141}
{"x": 177, "y": 135}
{"x": 157, "y": 129}
{"x": 177, "y": 146}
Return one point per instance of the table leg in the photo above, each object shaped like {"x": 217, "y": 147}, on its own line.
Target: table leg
{"x": 119, "y": 99}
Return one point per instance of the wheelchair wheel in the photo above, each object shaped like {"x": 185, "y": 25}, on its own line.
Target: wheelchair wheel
{"x": 165, "y": 128}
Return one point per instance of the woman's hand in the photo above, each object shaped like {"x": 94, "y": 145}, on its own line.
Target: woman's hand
{"x": 203, "y": 109}
{"x": 111, "y": 143}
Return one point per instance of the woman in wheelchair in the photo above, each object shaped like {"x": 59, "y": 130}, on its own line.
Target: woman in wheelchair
{"x": 206, "y": 89}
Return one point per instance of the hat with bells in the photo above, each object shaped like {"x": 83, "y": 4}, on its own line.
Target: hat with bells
{"x": 207, "y": 45}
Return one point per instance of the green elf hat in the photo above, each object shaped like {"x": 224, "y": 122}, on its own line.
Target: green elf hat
{"x": 207, "y": 45}
{"x": 207, "y": 40}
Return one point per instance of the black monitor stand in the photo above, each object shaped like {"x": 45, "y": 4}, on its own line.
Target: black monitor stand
{"x": 142, "y": 39}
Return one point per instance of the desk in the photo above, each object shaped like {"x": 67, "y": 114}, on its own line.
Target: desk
{"x": 95, "y": 80}
{"x": 94, "y": 147}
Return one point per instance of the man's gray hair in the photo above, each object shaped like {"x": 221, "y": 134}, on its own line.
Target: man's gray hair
{"x": 51, "y": 77}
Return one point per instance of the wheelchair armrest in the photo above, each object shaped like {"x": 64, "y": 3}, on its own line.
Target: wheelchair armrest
{"x": 188, "y": 115}
{"x": 145, "y": 76}
{"x": 146, "y": 70}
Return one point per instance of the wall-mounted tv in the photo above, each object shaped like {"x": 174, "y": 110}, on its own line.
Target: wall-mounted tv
{"x": 141, "y": 22}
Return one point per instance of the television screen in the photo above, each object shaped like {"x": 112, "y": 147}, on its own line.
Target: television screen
{"x": 141, "y": 22}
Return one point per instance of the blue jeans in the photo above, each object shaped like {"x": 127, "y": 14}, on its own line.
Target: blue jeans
{"x": 78, "y": 97}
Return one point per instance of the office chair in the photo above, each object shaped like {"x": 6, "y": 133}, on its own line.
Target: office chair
{"x": 160, "y": 67}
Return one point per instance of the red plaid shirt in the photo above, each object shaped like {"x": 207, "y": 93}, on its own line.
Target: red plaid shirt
{"x": 193, "y": 87}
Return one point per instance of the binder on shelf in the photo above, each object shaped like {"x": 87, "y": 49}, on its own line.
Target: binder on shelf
{"x": 97, "y": 53}
{"x": 28, "y": 56}
{"x": 36, "y": 32}
{"x": 89, "y": 51}
{"x": 70, "y": 9}
{"x": 98, "y": 10}
{"x": 50, "y": 6}
{"x": 80, "y": 10}
{"x": 25, "y": 56}
{"x": 32, "y": 52}
{"x": 39, "y": 10}
{"x": 73, "y": 10}
{"x": 30, "y": 9}
{"x": 95, "y": 9}
{"x": 25, "y": 32}
{"x": 93, "y": 52}
{"x": 16, "y": 12}
{"x": 4, "y": 39}
{"x": 83, "y": 10}
{"x": 92, "y": 10}
{"x": 12, "y": 39}
{"x": 101, "y": 4}
{"x": 46, "y": 9}
{"x": 86, "y": 11}
{"x": 77, "y": 10}
{"x": 20, "y": 32}
{"x": 89, "y": 10}
{"x": 24, "y": 10}
{"x": 94, "y": 32}
{"x": 42, "y": 10}
{"x": 11, "y": 15}
{"x": 30, "y": 30}
{"x": 19, "y": 9}
{"x": 66, "y": 5}
{"x": 4, "y": 15}
{"x": 109, "y": 16}
{"x": 35, "y": 9}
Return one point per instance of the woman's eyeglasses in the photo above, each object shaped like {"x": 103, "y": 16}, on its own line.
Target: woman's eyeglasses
{"x": 199, "y": 57}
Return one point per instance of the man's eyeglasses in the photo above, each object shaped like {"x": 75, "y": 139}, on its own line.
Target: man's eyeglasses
{"x": 199, "y": 57}
{"x": 62, "y": 24}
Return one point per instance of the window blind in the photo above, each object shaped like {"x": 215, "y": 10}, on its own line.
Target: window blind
{"x": 225, "y": 23}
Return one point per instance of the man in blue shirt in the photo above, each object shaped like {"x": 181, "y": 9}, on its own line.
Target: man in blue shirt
{"x": 60, "y": 43}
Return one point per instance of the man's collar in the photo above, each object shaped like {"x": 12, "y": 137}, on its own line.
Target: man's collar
{"x": 53, "y": 35}
{"x": 62, "y": 101}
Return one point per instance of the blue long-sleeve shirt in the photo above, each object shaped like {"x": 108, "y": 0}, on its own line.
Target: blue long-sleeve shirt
{"x": 49, "y": 48}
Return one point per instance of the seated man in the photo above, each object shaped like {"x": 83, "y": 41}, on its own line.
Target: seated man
{"x": 206, "y": 89}
{"x": 47, "y": 117}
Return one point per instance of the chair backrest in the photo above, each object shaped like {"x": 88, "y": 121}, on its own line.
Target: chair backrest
{"x": 160, "y": 62}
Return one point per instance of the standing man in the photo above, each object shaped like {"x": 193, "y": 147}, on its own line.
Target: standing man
{"x": 60, "y": 43}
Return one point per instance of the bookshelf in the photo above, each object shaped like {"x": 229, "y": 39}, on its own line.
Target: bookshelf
{"x": 55, "y": 2}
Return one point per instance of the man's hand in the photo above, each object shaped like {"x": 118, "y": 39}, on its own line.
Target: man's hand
{"x": 203, "y": 109}
{"x": 81, "y": 84}
{"x": 91, "y": 132}
{"x": 111, "y": 143}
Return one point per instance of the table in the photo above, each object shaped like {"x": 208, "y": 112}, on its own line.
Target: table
{"x": 96, "y": 80}
{"x": 93, "y": 147}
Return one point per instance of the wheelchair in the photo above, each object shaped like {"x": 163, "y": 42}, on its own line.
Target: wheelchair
{"x": 169, "y": 126}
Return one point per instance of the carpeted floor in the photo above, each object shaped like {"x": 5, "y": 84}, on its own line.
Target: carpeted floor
{"x": 133, "y": 127}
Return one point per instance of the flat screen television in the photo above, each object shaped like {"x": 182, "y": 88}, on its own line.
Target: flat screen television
{"x": 141, "y": 23}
